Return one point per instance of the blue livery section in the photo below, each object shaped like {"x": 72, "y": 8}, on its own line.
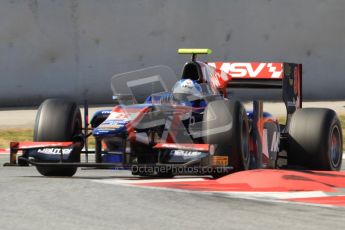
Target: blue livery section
{"x": 251, "y": 115}
{"x": 115, "y": 126}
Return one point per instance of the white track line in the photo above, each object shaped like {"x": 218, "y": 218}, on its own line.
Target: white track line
{"x": 266, "y": 195}
{"x": 269, "y": 197}
{"x": 145, "y": 181}
{"x": 277, "y": 195}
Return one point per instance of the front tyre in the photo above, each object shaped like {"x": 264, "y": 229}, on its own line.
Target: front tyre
{"x": 56, "y": 171}
{"x": 57, "y": 120}
{"x": 225, "y": 125}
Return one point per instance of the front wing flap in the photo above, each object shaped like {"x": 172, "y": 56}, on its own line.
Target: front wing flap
{"x": 45, "y": 151}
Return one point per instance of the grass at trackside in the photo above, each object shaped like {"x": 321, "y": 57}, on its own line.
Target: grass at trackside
{"x": 8, "y": 135}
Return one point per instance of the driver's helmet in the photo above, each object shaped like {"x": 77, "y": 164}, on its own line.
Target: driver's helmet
{"x": 187, "y": 89}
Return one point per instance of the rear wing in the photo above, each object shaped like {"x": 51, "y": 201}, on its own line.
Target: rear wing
{"x": 285, "y": 76}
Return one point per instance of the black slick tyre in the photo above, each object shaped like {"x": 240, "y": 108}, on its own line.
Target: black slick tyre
{"x": 57, "y": 120}
{"x": 315, "y": 139}
{"x": 225, "y": 125}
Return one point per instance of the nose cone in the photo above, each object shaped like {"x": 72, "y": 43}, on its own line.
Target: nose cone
{"x": 110, "y": 128}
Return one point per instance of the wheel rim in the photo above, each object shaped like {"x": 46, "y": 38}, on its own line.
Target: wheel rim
{"x": 335, "y": 147}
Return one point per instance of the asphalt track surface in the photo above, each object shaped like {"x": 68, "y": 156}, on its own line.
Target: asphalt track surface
{"x": 87, "y": 201}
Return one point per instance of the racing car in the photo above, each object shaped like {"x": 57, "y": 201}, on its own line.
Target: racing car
{"x": 164, "y": 126}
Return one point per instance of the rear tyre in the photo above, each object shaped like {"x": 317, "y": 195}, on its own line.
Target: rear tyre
{"x": 165, "y": 175}
{"x": 57, "y": 120}
{"x": 315, "y": 139}
{"x": 226, "y": 126}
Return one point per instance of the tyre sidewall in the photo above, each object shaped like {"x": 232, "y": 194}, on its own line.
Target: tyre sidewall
{"x": 57, "y": 120}
{"x": 310, "y": 133}
{"x": 229, "y": 142}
